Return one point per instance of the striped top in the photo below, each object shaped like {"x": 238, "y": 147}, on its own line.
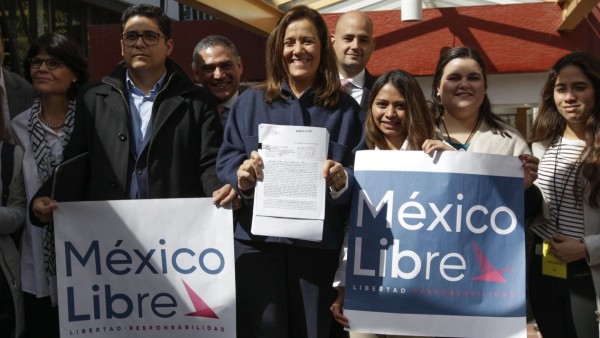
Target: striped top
{"x": 556, "y": 178}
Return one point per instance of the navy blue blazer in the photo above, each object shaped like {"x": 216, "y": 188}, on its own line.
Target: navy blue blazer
{"x": 241, "y": 138}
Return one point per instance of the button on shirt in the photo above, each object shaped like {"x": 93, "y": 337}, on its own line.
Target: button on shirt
{"x": 141, "y": 109}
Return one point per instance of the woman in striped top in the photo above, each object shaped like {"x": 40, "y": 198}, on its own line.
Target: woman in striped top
{"x": 565, "y": 271}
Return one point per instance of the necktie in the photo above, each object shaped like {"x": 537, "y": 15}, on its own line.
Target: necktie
{"x": 345, "y": 85}
{"x": 223, "y": 113}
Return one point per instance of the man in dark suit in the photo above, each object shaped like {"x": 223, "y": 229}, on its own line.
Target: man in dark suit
{"x": 218, "y": 67}
{"x": 353, "y": 44}
{"x": 148, "y": 130}
{"x": 16, "y": 94}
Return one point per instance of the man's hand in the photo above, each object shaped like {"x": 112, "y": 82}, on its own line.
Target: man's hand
{"x": 226, "y": 194}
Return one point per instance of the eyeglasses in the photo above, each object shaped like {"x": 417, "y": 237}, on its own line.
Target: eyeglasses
{"x": 150, "y": 38}
{"x": 51, "y": 64}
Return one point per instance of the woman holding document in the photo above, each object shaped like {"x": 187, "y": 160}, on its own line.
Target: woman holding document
{"x": 564, "y": 279}
{"x": 284, "y": 284}
{"x": 57, "y": 70}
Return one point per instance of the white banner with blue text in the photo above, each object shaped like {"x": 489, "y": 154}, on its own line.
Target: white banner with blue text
{"x": 436, "y": 245}
{"x": 145, "y": 268}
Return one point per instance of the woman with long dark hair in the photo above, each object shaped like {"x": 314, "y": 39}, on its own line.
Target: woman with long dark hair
{"x": 462, "y": 109}
{"x": 397, "y": 119}
{"x": 463, "y": 115}
{"x": 566, "y": 136}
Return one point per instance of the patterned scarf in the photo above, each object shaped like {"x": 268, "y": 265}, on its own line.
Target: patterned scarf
{"x": 45, "y": 163}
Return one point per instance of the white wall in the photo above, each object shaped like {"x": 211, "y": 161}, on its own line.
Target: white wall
{"x": 506, "y": 91}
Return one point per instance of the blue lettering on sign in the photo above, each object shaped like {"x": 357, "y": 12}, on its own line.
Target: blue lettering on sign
{"x": 120, "y": 261}
{"x": 162, "y": 305}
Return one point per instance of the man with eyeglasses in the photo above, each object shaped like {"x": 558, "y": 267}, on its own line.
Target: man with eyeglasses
{"x": 148, "y": 130}
{"x": 16, "y": 94}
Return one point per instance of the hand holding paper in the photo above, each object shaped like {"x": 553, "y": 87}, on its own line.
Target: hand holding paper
{"x": 250, "y": 172}
{"x": 335, "y": 175}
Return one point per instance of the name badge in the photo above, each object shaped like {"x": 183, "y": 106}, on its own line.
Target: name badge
{"x": 551, "y": 265}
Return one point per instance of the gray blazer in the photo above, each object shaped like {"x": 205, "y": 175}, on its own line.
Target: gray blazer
{"x": 19, "y": 92}
{"x": 12, "y": 218}
{"x": 20, "y": 95}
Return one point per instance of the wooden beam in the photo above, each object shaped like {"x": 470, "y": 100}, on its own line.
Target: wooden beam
{"x": 574, "y": 11}
{"x": 278, "y": 3}
{"x": 256, "y": 16}
{"x": 314, "y": 4}
{"x": 323, "y": 3}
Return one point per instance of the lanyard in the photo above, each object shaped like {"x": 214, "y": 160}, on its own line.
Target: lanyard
{"x": 559, "y": 198}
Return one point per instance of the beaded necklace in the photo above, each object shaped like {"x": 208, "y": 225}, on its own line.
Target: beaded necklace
{"x": 48, "y": 124}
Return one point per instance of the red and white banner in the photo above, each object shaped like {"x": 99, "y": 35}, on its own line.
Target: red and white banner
{"x": 145, "y": 268}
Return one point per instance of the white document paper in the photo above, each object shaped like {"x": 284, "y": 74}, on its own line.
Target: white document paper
{"x": 290, "y": 200}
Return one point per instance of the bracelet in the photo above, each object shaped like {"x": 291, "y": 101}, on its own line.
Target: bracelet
{"x": 247, "y": 194}
{"x": 587, "y": 253}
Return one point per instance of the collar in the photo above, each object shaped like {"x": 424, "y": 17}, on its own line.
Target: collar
{"x": 132, "y": 88}
{"x": 403, "y": 147}
{"x": 285, "y": 87}
{"x": 358, "y": 80}
{"x": 229, "y": 102}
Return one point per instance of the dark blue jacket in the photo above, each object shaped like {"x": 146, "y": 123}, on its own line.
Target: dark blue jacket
{"x": 241, "y": 138}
